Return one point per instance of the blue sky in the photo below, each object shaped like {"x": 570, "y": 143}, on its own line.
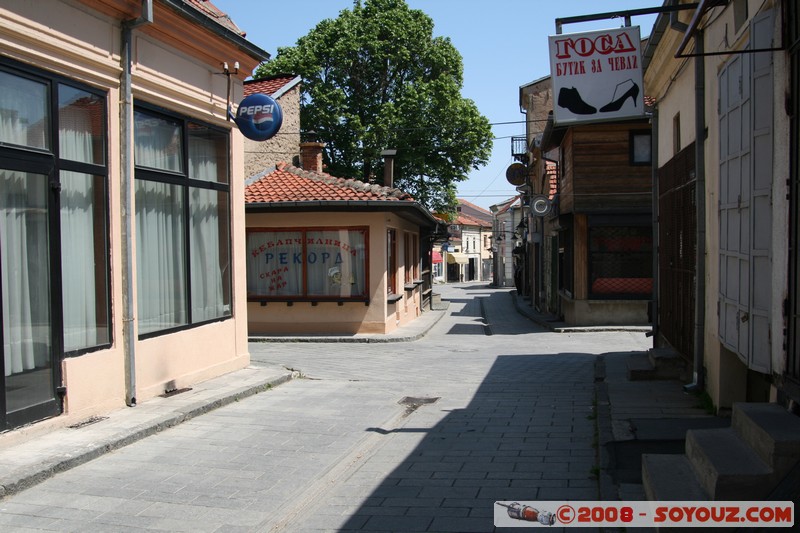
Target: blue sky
{"x": 503, "y": 44}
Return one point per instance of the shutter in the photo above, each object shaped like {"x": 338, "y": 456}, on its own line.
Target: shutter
{"x": 745, "y": 202}
{"x": 761, "y": 32}
{"x": 734, "y": 236}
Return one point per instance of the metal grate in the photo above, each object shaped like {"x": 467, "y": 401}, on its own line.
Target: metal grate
{"x": 620, "y": 262}
{"x": 677, "y": 250}
{"x": 88, "y": 422}
{"x": 519, "y": 148}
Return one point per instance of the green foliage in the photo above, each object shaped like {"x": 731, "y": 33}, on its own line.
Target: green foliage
{"x": 375, "y": 78}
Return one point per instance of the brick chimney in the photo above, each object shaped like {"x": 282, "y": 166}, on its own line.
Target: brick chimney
{"x": 388, "y": 167}
{"x": 311, "y": 156}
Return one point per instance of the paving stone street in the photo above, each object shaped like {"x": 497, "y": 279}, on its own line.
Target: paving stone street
{"x": 423, "y": 435}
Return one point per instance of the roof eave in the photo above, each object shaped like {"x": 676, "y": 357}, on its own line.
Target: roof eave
{"x": 203, "y": 20}
{"x": 415, "y": 210}
{"x": 288, "y": 87}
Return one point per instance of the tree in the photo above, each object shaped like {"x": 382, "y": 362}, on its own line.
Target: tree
{"x": 375, "y": 78}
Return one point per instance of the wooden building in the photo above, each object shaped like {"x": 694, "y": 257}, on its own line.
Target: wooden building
{"x": 603, "y": 221}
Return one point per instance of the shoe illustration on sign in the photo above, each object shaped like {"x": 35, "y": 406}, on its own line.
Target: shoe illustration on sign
{"x": 571, "y": 100}
{"x": 616, "y": 102}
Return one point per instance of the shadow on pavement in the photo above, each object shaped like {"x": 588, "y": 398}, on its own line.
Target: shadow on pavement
{"x": 528, "y": 433}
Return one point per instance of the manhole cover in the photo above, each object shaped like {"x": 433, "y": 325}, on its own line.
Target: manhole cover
{"x": 413, "y": 403}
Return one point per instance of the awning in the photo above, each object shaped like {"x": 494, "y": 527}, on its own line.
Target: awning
{"x": 455, "y": 257}
{"x": 436, "y": 257}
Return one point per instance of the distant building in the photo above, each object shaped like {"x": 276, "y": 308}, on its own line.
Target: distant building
{"x": 327, "y": 255}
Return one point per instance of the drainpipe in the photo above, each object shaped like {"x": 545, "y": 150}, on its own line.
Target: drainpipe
{"x": 656, "y": 253}
{"x": 698, "y": 384}
{"x": 126, "y": 200}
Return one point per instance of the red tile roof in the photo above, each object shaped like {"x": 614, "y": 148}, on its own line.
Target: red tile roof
{"x": 466, "y": 220}
{"x": 291, "y": 184}
{"x": 214, "y": 13}
{"x": 267, "y": 85}
{"x": 512, "y": 203}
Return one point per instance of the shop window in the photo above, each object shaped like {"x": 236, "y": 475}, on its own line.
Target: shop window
{"x": 66, "y": 147}
{"x": 310, "y": 264}
{"x": 391, "y": 261}
{"x": 620, "y": 262}
{"x": 415, "y": 256}
{"x": 411, "y": 256}
{"x": 182, "y": 222}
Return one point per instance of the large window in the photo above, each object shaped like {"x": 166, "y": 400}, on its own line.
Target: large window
{"x": 391, "y": 261}
{"x": 67, "y": 146}
{"x": 307, "y": 264}
{"x": 182, "y": 222}
{"x": 620, "y": 262}
{"x": 54, "y": 253}
{"x": 411, "y": 255}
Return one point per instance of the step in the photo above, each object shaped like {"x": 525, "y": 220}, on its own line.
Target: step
{"x": 659, "y": 363}
{"x": 640, "y": 368}
{"x": 727, "y": 468}
{"x": 670, "y": 478}
{"x": 772, "y": 431}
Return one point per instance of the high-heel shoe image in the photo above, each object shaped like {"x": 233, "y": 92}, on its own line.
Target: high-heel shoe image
{"x": 616, "y": 102}
{"x": 571, "y": 99}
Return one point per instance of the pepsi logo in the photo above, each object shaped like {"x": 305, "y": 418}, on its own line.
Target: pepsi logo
{"x": 259, "y": 117}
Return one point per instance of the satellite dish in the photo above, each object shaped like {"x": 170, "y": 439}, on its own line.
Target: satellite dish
{"x": 516, "y": 173}
{"x": 541, "y": 205}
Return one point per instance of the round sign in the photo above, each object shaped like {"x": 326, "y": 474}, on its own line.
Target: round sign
{"x": 259, "y": 117}
{"x": 540, "y": 205}
{"x": 515, "y": 174}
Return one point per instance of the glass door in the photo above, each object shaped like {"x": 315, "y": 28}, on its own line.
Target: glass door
{"x": 28, "y": 390}
{"x": 29, "y": 384}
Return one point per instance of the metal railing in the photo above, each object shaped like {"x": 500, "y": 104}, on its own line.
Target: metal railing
{"x": 519, "y": 148}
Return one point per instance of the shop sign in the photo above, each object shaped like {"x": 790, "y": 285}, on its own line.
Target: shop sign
{"x": 259, "y": 117}
{"x": 597, "y": 76}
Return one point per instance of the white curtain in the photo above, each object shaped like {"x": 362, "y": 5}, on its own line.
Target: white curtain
{"x": 336, "y": 263}
{"x": 77, "y": 226}
{"x": 24, "y": 248}
{"x": 160, "y": 265}
{"x": 210, "y": 259}
{"x": 23, "y": 112}
{"x": 209, "y": 254}
{"x": 24, "y": 252}
{"x": 275, "y": 263}
{"x": 161, "y": 271}
{"x": 157, "y": 144}
{"x": 78, "y": 269}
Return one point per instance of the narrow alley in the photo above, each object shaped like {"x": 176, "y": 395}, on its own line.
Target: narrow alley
{"x": 423, "y": 435}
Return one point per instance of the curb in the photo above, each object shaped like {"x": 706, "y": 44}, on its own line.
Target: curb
{"x": 606, "y": 486}
{"x": 437, "y": 315}
{"x": 553, "y": 325}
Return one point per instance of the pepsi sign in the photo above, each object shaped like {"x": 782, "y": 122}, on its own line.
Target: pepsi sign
{"x": 259, "y": 117}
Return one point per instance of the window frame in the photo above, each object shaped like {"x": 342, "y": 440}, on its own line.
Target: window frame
{"x": 391, "y": 262}
{"x": 187, "y": 183}
{"x": 634, "y": 159}
{"x": 630, "y": 224}
{"x": 305, "y": 296}
{"x": 48, "y": 161}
